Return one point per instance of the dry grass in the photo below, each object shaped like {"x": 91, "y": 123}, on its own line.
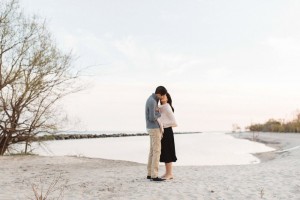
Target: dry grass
{"x": 262, "y": 193}
{"x": 55, "y": 189}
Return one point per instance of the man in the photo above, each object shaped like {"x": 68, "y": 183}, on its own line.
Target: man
{"x": 153, "y": 128}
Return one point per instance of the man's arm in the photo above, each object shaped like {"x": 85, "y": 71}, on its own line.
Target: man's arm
{"x": 153, "y": 114}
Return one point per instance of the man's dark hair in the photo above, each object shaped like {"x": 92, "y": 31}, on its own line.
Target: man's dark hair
{"x": 161, "y": 90}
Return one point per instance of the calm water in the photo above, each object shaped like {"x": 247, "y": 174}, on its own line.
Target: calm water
{"x": 191, "y": 149}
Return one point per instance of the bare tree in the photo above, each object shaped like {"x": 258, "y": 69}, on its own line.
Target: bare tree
{"x": 34, "y": 75}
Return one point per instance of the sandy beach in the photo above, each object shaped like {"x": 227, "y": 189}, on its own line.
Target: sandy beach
{"x": 276, "y": 177}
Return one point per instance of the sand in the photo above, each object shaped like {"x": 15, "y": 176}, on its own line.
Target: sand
{"x": 276, "y": 177}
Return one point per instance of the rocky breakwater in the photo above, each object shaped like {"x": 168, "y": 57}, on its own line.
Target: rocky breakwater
{"x": 92, "y": 136}
{"x": 84, "y": 136}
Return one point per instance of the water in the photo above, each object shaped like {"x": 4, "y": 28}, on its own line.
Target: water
{"x": 191, "y": 149}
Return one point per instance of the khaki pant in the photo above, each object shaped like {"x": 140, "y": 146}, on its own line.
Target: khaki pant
{"x": 155, "y": 150}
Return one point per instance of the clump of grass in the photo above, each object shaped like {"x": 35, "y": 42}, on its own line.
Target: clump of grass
{"x": 55, "y": 190}
{"x": 262, "y": 193}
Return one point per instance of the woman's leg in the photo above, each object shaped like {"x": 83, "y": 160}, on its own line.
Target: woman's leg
{"x": 169, "y": 171}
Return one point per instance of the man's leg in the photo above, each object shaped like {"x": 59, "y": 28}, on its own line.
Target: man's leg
{"x": 156, "y": 150}
{"x": 150, "y": 156}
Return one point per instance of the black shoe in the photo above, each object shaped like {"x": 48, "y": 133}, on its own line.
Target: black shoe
{"x": 148, "y": 177}
{"x": 157, "y": 179}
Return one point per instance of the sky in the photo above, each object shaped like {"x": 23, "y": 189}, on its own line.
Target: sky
{"x": 223, "y": 62}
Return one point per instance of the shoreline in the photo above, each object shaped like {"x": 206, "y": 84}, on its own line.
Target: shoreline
{"x": 264, "y": 156}
{"x": 273, "y": 140}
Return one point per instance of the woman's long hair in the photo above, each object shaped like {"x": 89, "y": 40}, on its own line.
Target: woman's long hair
{"x": 170, "y": 101}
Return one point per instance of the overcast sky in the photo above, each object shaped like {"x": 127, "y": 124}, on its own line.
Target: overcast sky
{"x": 223, "y": 62}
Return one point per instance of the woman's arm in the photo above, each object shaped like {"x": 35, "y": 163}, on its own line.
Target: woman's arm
{"x": 171, "y": 121}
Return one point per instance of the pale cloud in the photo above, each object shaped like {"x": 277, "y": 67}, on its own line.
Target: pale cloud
{"x": 71, "y": 42}
{"x": 171, "y": 16}
{"x": 218, "y": 73}
{"x": 155, "y": 61}
{"x": 284, "y": 46}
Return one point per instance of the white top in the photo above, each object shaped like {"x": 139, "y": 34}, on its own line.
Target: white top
{"x": 167, "y": 116}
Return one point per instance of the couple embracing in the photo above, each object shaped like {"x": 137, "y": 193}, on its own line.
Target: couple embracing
{"x": 159, "y": 121}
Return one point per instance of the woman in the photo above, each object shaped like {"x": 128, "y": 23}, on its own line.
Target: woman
{"x": 168, "y": 154}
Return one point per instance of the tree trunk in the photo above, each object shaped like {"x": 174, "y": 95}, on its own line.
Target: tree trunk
{"x": 26, "y": 145}
{"x": 4, "y": 143}
{"x": 3, "y": 149}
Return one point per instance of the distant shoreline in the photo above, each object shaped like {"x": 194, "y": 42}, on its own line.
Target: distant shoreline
{"x": 70, "y": 136}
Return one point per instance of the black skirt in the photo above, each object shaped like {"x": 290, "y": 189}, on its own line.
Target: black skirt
{"x": 168, "y": 153}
